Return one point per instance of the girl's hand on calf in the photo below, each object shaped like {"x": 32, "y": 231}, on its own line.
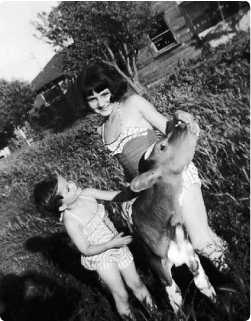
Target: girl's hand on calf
{"x": 120, "y": 240}
{"x": 179, "y": 116}
{"x": 184, "y": 117}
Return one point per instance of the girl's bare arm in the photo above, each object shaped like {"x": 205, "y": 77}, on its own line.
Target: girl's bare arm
{"x": 87, "y": 249}
{"x": 155, "y": 118}
{"x": 114, "y": 196}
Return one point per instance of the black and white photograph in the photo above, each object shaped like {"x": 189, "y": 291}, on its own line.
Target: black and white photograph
{"x": 124, "y": 161}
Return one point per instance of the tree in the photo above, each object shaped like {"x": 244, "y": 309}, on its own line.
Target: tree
{"x": 15, "y": 102}
{"x": 109, "y": 31}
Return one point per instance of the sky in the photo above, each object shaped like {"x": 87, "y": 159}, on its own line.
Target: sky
{"x": 22, "y": 56}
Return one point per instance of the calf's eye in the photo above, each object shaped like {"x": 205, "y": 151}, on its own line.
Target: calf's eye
{"x": 162, "y": 147}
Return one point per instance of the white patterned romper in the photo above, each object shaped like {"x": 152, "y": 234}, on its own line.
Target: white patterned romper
{"x": 100, "y": 230}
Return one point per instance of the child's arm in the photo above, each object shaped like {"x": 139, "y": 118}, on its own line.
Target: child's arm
{"x": 114, "y": 196}
{"x": 87, "y": 249}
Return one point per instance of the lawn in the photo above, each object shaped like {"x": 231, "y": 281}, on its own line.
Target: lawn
{"x": 41, "y": 275}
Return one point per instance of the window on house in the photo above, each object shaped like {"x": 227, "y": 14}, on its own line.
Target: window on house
{"x": 51, "y": 95}
{"x": 162, "y": 36}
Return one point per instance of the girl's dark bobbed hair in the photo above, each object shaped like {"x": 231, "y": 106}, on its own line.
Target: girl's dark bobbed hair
{"x": 97, "y": 77}
{"x": 45, "y": 196}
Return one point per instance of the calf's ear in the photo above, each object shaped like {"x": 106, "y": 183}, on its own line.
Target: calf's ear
{"x": 144, "y": 181}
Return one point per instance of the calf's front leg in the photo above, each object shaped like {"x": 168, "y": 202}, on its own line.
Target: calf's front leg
{"x": 181, "y": 252}
{"x": 173, "y": 291}
{"x": 162, "y": 268}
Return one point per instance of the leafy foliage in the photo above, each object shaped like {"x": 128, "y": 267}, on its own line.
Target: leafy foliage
{"x": 36, "y": 248}
{"x": 15, "y": 101}
{"x": 111, "y": 31}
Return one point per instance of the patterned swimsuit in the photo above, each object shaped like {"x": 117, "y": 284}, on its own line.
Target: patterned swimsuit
{"x": 132, "y": 143}
{"x": 99, "y": 230}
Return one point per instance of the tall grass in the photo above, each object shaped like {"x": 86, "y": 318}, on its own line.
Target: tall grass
{"x": 40, "y": 268}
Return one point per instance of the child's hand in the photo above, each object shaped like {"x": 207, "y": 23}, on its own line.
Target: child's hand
{"x": 183, "y": 117}
{"x": 120, "y": 240}
{"x": 179, "y": 116}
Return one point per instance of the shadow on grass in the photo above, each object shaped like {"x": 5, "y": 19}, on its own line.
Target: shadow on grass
{"x": 32, "y": 296}
{"x": 59, "y": 250}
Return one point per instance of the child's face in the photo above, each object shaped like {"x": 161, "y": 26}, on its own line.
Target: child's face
{"x": 69, "y": 190}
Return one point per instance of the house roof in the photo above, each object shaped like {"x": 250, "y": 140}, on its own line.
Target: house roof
{"x": 52, "y": 71}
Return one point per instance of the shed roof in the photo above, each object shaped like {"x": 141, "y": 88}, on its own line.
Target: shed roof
{"x": 52, "y": 71}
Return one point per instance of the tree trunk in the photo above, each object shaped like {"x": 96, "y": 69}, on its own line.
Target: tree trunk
{"x": 137, "y": 87}
{"x": 134, "y": 84}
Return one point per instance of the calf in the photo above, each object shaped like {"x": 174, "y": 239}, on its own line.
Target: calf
{"x": 157, "y": 212}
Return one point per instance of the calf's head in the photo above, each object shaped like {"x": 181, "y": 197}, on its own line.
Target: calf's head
{"x": 168, "y": 157}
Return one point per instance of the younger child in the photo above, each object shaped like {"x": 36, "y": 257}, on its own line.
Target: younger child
{"x": 103, "y": 249}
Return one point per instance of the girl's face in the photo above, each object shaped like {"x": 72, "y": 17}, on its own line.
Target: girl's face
{"x": 69, "y": 190}
{"x": 100, "y": 102}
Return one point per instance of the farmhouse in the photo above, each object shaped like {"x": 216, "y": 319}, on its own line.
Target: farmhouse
{"x": 177, "y": 37}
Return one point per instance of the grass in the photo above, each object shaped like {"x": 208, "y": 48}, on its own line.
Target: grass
{"x": 41, "y": 275}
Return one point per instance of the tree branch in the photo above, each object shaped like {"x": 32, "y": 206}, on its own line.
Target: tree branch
{"x": 129, "y": 69}
{"x": 135, "y": 69}
{"x": 122, "y": 56}
{"x": 107, "y": 62}
{"x": 111, "y": 54}
{"x": 105, "y": 55}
